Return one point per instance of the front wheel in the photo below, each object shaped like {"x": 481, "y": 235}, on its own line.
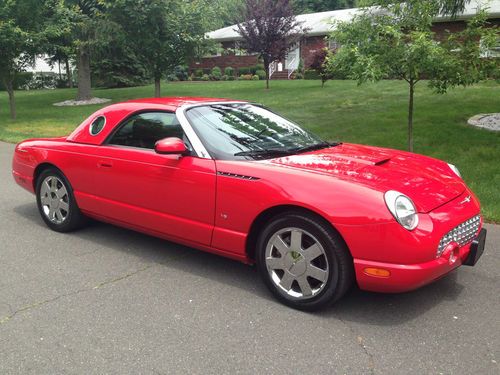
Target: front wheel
{"x": 304, "y": 262}
{"x": 56, "y": 202}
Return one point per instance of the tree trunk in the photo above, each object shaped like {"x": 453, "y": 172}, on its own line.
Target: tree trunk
{"x": 84, "y": 88}
{"x": 12, "y": 102}
{"x": 410, "y": 116}
{"x": 69, "y": 75}
{"x": 59, "y": 66}
{"x": 157, "y": 87}
{"x": 266, "y": 68}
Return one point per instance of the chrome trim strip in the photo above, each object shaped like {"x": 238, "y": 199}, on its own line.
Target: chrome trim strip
{"x": 92, "y": 122}
{"x": 196, "y": 142}
{"x": 240, "y": 176}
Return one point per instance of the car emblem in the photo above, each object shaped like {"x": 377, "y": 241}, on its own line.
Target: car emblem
{"x": 466, "y": 200}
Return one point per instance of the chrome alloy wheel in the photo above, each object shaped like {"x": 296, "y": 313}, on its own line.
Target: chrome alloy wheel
{"x": 297, "y": 263}
{"x": 54, "y": 199}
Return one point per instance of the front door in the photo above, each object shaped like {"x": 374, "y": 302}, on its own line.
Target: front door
{"x": 168, "y": 194}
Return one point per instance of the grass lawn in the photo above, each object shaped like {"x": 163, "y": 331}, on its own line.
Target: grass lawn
{"x": 372, "y": 114}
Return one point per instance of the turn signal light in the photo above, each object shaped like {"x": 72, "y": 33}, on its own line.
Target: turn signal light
{"x": 378, "y": 272}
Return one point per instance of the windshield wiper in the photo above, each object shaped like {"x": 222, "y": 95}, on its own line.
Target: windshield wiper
{"x": 263, "y": 153}
{"x": 316, "y": 146}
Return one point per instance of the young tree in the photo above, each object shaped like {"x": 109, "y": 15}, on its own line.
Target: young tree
{"x": 21, "y": 37}
{"x": 396, "y": 41}
{"x": 319, "y": 64}
{"x": 270, "y": 29}
{"x": 161, "y": 33}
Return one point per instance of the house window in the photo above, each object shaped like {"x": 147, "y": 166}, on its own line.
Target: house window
{"x": 333, "y": 45}
{"x": 238, "y": 50}
{"x": 493, "y": 52}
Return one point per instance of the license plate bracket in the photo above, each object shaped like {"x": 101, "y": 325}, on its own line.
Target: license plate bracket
{"x": 476, "y": 249}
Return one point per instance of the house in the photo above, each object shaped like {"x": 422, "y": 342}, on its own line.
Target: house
{"x": 319, "y": 26}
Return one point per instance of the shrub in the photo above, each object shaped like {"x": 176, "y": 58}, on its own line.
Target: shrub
{"x": 261, "y": 74}
{"x": 299, "y": 76}
{"x": 260, "y": 67}
{"x": 216, "y": 72}
{"x": 181, "y": 73}
{"x": 207, "y": 71}
{"x": 205, "y": 77}
{"x": 311, "y": 74}
{"x": 255, "y": 77}
{"x": 229, "y": 71}
{"x": 246, "y": 77}
{"x": 224, "y": 78}
{"x": 230, "y": 78}
{"x": 198, "y": 73}
{"x": 243, "y": 70}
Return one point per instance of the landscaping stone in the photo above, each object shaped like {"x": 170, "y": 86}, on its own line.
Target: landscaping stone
{"x": 490, "y": 121}
{"x": 82, "y": 102}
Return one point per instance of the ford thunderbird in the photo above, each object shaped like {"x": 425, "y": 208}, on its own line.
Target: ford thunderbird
{"x": 236, "y": 179}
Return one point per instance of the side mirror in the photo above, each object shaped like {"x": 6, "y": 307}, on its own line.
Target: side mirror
{"x": 170, "y": 146}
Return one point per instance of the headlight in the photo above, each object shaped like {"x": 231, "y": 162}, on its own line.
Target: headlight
{"x": 455, "y": 170}
{"x": 402, "y": 208}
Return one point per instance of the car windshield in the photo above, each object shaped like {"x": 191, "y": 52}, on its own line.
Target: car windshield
{"x": 245, "y": 131}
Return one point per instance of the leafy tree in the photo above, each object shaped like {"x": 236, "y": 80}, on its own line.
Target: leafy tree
{"x": 60, "y": 47}
{"x": 396, "y": 41}
{"x": 162, "y": 34}
{"x": 22, "y": 35}
{"x": 87, "y": 31}
{"x": 270, "y": 30}
{"x": 320, "y": 64}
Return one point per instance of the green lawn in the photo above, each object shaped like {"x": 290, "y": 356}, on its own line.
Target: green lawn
{"x": 372, "y": 114}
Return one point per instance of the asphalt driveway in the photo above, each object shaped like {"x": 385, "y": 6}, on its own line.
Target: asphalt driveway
{"x": 109, "y": 300}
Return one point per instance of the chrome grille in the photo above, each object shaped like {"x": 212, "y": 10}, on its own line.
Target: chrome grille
{"x": 461, "y": 234}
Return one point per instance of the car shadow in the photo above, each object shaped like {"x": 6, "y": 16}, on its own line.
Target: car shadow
{"x": 357, "y": 306}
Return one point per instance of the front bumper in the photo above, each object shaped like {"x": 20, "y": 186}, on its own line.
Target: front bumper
{"x": 388, "y": 258}
{"x": 406, "y": 277}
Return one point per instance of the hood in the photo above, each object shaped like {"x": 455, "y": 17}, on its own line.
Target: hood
{"x": 428, "y": 182}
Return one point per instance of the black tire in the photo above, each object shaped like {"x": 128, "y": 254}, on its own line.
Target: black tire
{"x": 340, "y": 264}
{"x": 74, "y": 218}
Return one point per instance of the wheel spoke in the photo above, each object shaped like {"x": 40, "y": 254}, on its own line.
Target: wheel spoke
{"x": 63, "y": 205}
{"x": 58, "y": 215}
{"x": 60, "y": 193}
{"x": 305, "y": 288}
{"x": 46, "y": 187}
{"x": 313, "y": 252}
{"x": 281, "y": 246}
{"x": 52, "y": 213}
{"x": 275, "y": 263}
{"x": 296, "y": 240}
{"x": 286, "y": 281}
{"x": 317, "y": 273}
{"x": 53, "y": 184}
{"x": 45, "y": 200}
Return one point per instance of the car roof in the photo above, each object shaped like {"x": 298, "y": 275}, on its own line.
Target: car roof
{"x": 178, "y": 101}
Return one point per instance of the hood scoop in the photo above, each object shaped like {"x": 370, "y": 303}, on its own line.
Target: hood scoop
{"x": 383, "y": 161}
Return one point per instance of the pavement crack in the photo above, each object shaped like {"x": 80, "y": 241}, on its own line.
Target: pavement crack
{"x": 361, "y": 343}
{"x": 35, "y": 305}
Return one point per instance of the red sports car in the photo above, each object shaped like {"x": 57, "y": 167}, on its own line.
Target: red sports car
{"x": 236, "y": 179}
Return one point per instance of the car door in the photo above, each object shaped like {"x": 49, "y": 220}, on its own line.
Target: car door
{"x": 172, "y": 195}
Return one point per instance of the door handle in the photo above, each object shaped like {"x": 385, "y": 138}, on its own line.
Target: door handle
{"x": 105, "y": 164}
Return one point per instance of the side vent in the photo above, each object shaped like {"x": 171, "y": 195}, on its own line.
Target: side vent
{"x": 240, "y": 176}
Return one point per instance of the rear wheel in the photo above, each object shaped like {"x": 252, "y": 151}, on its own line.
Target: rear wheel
{"x": 56, "y": 202}
{"x": 304, "y": 262}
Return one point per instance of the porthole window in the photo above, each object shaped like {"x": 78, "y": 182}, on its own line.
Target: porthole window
{"x": 97, "y": 125}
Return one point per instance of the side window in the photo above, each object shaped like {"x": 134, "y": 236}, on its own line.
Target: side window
{"x": 145, "y": 129}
